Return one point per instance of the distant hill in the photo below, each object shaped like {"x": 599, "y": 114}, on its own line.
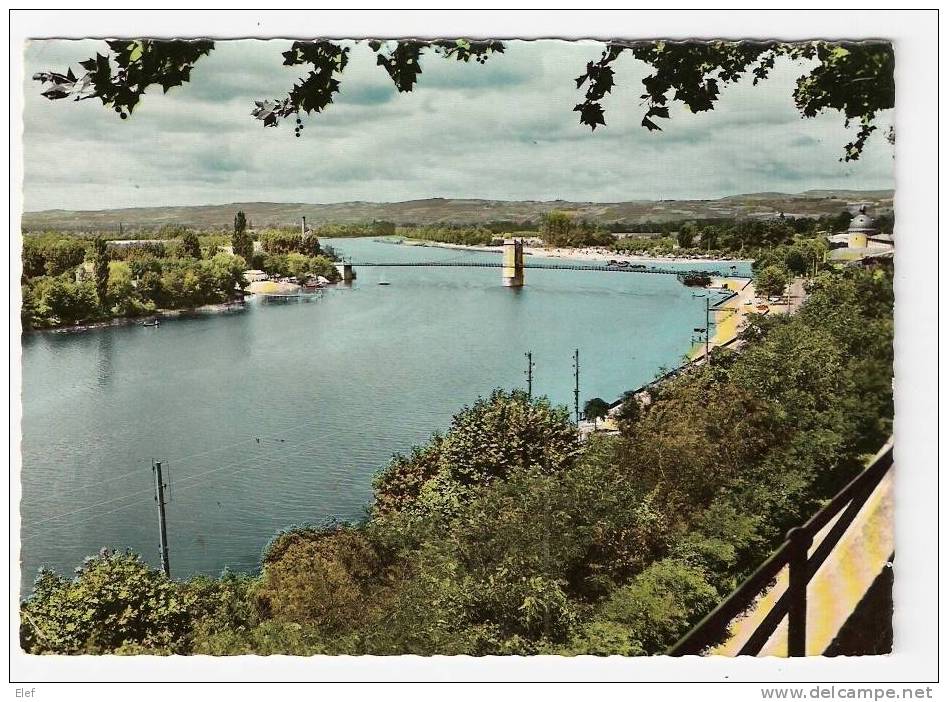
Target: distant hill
{"x": 811, "y": 203}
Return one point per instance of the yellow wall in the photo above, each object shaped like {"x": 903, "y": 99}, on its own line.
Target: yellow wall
{"x": 857, "y": 240}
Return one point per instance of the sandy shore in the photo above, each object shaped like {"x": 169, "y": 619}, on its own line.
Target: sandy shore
{"x": 729, "y": 317}
{"x": 592, "y": 253}
{"x": 273, "y": 287}
{"x": 599, "y": 254}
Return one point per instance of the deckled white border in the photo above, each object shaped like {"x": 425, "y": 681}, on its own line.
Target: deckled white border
{"x": 914, "y": 35}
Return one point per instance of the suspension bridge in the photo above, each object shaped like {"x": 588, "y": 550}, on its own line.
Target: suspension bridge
{"x": 514, "y": 264}
{"x": 546, "y": 266}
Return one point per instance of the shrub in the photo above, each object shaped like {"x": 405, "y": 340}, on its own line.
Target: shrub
{"x": 318, "y": 577}
{"x": 651, "y": 613}
{"x": 115, "y": 600}
{"x": 771, "y": 281}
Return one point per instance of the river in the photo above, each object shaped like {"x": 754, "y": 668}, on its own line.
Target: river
{"x": 281, "y": 412}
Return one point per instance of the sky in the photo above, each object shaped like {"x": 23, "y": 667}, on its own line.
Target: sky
{"x": 503, "y": 130}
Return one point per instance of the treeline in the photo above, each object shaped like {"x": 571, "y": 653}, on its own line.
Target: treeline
{"x": 723, "y": 237}
{"x": 775, "y": 267}
{"x": 339, "y": 230}
{"x": 67, "y": 279}
{"x": 468, "y": 236}
{"x": 109, "y": 282}
{"x": 288, "y": 252}
{"x": 800, "y": 225}
{"x": 506, "y": 535}
{"x": 563, "y": 229}
{"x": 657, "y": 246}
{"x": 745, "y": 235}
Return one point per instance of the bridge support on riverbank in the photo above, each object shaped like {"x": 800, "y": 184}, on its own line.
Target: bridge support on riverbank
{"x": 512, "y": 271}
{"x": 346, "y": 271}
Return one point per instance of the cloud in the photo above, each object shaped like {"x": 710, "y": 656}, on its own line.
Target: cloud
{"x": 502, "y": 130}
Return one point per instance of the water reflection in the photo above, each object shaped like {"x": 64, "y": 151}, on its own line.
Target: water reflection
{"x": 105, "y": 365}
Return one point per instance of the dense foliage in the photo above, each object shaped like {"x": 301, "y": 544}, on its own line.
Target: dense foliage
{"x": 562, "y": 229}
{"x": 68, "y": 281}
{"x": 295, "y": 264}
{"x": 467, "y": 236}
{"x": 505, "y": 535}
{"x": 49, "y": 254}
{"x": 771, "y": 281}
{"x": 282, "y": 241}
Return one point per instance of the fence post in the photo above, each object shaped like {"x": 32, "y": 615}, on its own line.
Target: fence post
{"x": 800, "y": 541}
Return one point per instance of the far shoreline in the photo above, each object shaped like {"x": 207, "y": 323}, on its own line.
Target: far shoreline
{"x": 589, "y": 253}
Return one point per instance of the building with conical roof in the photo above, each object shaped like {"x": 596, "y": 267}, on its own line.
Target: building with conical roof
{"x": 862, "y": 239}
{"x": 862, "y": 227}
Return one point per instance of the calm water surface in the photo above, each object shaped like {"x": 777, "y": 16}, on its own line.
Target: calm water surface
{"x": 280, "y": 413}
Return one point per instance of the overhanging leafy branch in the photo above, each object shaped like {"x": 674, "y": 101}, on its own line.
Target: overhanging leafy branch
{"x": 122, "y": 76}
{"x": 400, "y": 59}
{"x": 314, "y": 92}
{"x": 855, "y": 78}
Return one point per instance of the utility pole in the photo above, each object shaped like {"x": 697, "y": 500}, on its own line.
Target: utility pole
{"x": 707, "y": 329}
{"x": 576, "y": 389}
{"x": 162, "y": 525}
{"x": 529, "y": 372}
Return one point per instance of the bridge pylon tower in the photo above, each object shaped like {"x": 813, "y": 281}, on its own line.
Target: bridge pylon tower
{"x": 512, "y": 271}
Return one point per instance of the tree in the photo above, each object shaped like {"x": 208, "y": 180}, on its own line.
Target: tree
{"x": 557, "y": 228}
{"x": 33, "y": 260}
{"x": 115, "y": 600}
{"x": 398, "y": 485}
{"x": 318, "y": 576}
{"x": 497, "y": 436}
{"x": 190, "y": 245}
{"x": 100, "y": 263}
{"x": 686, "y": 236}
{"x": 771, "y": 281}
{"x": 651, "y": 613}
{"x": 629, "y": 412}
{"x": 285, "y": 242}
{"x": 121, "y": 287}
{"x": 596, "y": 409}
{"x": 709, "y": 237}
{"x": 856, "y": 79}
{"x": 505, "y": 432}
{"x": 840, "y": 222}
{"x": 241, "y": 241}
{"x": 63, "y": 256}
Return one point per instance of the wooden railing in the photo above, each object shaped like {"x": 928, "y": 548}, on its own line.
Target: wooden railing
{"x": 794, "y": 552}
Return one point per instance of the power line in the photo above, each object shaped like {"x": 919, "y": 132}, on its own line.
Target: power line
{"x": 261, "y": 455}
{"x": 180, "y": 460}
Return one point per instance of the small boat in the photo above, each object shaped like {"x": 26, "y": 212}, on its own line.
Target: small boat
{"x": 153, "y": 323}
{"x": 384, "y": 282}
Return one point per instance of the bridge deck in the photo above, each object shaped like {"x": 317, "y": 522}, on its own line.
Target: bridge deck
{"x": 546, "y": 266}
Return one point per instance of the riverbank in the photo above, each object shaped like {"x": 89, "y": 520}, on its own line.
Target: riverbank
{"x": 592, "y": 253}
{"x": 216, "y": 308}
{"x": 729, "y": 317}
